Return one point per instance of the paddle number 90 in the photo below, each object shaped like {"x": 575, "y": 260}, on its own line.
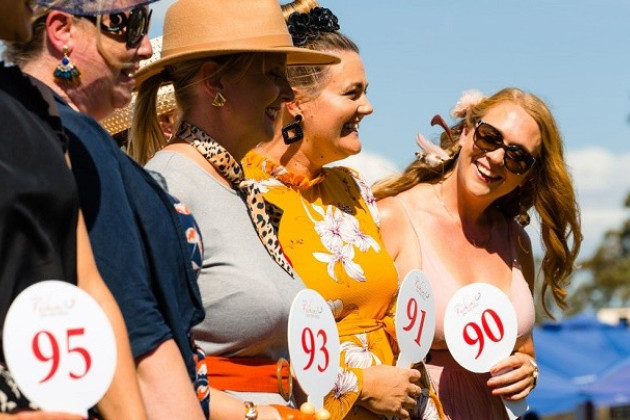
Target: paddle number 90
{"x": 310, "y": 348}
{"x": 474, "y": 334}
{"x": 46, "y": 349}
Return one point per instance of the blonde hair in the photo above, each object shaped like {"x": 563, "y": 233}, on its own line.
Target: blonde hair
{"x": 146, "y": 137}
{"x": 299, "y": 6}
{"x": 309, "y": 79}
{"x": 548, "y": 190}
{"x": 20, "y": 53}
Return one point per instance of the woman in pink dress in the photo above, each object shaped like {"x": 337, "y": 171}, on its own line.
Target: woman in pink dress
{"x": 457, "y": 213}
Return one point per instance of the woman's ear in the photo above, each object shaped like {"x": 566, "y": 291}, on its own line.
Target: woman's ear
{"x": 59, "y": 30}
{"x": 293, "y": 108}
{"x": 209, "y": 80}
{"x": 464, "y": 134}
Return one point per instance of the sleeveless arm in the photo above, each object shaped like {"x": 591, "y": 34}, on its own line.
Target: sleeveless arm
{"x": 165, "y": 385}
{"x": 122, "y": 399}
{"x": 399, "y": 235}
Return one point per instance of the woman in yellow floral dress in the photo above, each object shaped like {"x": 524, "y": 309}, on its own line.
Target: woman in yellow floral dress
{"x": 329, "y": 226}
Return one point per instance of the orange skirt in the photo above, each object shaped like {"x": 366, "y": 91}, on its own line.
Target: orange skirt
{"x": 250, "y": 374}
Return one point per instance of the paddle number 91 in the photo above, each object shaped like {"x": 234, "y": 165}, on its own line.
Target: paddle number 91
{"x": 412, "y": 315}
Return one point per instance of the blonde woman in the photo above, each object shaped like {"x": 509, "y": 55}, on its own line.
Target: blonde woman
{"x": 453, "y": 213}
{"x": 329, "y": 227}
{"x": 227, "y": 62}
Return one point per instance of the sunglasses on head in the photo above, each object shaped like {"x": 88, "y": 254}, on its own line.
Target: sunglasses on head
{"x": 516, "y": 159}
{"x": 135, "y": 25}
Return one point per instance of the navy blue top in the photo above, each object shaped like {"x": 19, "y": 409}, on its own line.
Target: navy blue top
{"x": 138, "y": 239}
{"x": 39, "y": 203}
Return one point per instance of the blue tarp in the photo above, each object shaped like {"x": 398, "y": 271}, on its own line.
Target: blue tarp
{"x": 581, "y": 359}
{"x": 612, "y": 387}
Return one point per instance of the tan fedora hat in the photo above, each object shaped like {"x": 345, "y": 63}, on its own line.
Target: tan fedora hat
{"x": 204, "y": 28}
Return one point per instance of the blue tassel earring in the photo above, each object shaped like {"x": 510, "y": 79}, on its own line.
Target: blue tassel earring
{"x": 66, "y": 71}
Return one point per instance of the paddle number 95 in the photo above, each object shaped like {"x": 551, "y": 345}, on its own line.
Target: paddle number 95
{"x": 46, "y": 349}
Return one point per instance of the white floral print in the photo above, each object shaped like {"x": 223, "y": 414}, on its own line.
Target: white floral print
{"x": 346, "y": 382}
{"x": 336, "y": 307}
{"x": 359, "y": 239}
{"x": 340, "y": 233}
{"x": 332, "y": 230}
{"x": 263, "y": 185}
{"x": 368, "y": 197}
{"x": 359, "y": 356}
{"x": 344, "y": 256}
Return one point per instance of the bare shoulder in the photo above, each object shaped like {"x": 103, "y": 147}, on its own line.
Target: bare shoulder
{"x": 390, "y": 209}
{"x": 393, "y": 221}
{"x": 398, "y": 232}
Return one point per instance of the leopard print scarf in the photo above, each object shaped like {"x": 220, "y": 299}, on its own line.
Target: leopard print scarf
{"x": 227, "y": 166}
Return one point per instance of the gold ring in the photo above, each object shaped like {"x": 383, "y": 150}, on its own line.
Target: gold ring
{"x": 534, "y": 373}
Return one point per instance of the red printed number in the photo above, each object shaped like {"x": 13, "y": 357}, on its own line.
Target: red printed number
{"x": 308, "y": 344}
{"x": 412, "y": 314}
{"x": 479, "y": 334}
{"x": 54, "y": 356}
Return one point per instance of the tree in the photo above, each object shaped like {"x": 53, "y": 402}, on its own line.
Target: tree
{"x": 609, "y": 270}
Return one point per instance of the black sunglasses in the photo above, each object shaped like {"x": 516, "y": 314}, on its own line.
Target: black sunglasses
{"x": 135, "y": 25}
{"x": 516, "y": 159}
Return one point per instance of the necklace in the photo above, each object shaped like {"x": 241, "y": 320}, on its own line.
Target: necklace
{"x": 483, "y": 243}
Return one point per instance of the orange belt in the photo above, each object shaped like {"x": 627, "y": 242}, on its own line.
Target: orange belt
{"x": 250, "y": 374}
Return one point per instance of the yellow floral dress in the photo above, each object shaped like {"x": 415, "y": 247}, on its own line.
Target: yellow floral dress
{"x": 330, "y": 232}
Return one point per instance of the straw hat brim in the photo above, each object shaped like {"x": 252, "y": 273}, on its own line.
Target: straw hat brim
{"x": 295, "y": 57}
{"x": 120, "y": 119}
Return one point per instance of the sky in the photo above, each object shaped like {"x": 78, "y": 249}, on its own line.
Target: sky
{"x": 420, "y": 55}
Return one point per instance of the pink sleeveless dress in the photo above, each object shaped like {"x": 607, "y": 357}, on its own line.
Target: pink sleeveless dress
{"x": 464, "y": 394}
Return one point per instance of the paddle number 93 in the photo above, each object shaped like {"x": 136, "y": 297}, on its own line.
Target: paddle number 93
{"x": 313, "y": 344}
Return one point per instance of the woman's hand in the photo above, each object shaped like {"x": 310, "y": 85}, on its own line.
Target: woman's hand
{"x": 517, "y": 379}
{"x": 268, "y": 412}
{"x": 40, "y": 415}
{"x": 389, "y": 390}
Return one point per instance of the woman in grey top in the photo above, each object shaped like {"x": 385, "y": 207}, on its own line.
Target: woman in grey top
{"x": 229, "y": 77}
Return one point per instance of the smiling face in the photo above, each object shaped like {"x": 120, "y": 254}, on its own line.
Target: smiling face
{"x": 15, "y": 20}
{"x": 484, "y": 173}
{"x": 106, "y": 70}
{"x": 331, "y": 120}
{"x": 254, "y": 99}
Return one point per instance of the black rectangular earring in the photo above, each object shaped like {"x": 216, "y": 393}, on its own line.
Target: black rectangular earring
{"x": 292, "y": 133}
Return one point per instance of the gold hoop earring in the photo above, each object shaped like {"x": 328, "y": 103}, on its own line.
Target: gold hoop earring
{"x": 219, "y": 100}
